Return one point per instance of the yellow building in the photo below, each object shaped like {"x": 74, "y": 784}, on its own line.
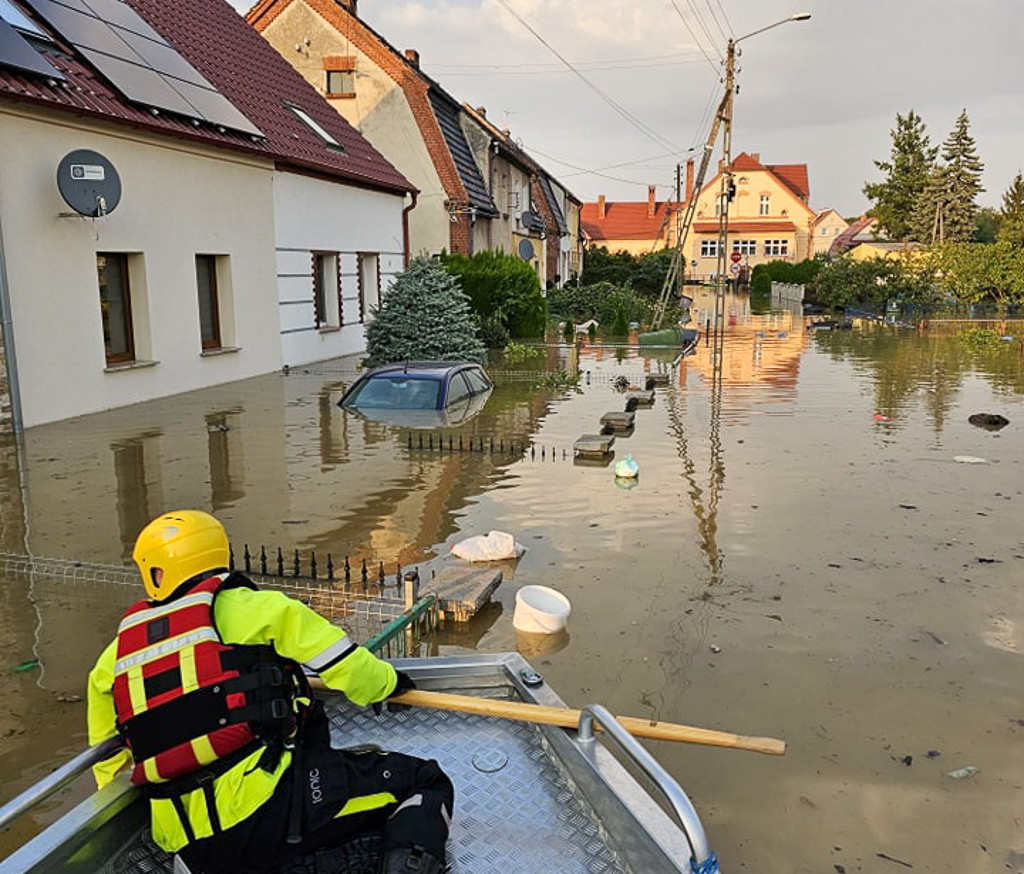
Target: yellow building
{"x": 827, "y": 227}
{"x": 769, "y": 219}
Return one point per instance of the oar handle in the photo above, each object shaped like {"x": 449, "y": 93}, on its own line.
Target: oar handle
{"x": 566, "y": 718}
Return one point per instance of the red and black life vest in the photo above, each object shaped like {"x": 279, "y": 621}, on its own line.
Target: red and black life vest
{"x": 184, "y": 698}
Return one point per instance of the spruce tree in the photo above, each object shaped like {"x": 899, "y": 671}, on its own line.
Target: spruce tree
{"x": 1011, "y": 225}
{"x": 424, "y": 316}
{"x": 947, "y": 207}
{"x": 907, "y": 172}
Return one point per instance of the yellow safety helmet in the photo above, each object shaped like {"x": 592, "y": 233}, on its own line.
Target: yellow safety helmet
{"x": 180, "y": 545}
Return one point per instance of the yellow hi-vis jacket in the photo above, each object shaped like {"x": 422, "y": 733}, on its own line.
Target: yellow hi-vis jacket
{"x": 245, "y": 616}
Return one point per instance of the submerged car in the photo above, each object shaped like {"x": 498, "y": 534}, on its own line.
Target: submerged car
{"x": 420, "y": 394}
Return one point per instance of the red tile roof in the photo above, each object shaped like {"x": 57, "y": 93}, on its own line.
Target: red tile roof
{"x": 246, "y": 70}
{"x": 773, "y": 226}
{"x": 793, "y": 176}
{"x": 623, "y": 221}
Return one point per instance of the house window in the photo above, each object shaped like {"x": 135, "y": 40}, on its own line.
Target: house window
{"x": 709, "y": 248}
{"x": 326, "y": 302}
{"x": 316, "y": 127}
{"x": 341, "y": 83}
{"x": 116, "y": 307}
{"x": 369, "y": 285}
{"x": 745, "y": 247}
{"x": 766, "y": 205}
{"x": 776, "y": 247}
{"x": 824, "y": 232}
{"x": 209, "y": 305}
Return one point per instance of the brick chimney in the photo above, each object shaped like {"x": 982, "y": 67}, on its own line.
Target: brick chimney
{"x": 350, "y": 5}
{"x": 413, "y": 57}
{"x": 600, "y": 207}
{"x": 688, "y": 193}
{"x": 652, "y": 204}
{"x": 481, "y": 111}
{"x": 756, "y": 156}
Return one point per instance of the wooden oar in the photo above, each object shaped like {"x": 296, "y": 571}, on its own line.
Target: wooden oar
{"x": 567, "y": 718}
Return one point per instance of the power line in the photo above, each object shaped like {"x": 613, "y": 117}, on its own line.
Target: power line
{"x": 714, "y": 18}
{"x": 532, "y": 149}
{"x": 625, "y": 113}
{"x": 579, "y": 64}
{"x": 694, "y": 36}
{"x": 549, "y": 70}
{"x": 728, "y": 24}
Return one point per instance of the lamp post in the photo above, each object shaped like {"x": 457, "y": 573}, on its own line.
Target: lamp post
{"x": 728, "y": 187}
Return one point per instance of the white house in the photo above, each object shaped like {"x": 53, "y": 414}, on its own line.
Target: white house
{"x": 179, "y": 222}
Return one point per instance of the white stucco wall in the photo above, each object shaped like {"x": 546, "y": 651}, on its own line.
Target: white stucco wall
{"x": 379, "y": 111}
{"x": 178, "y": 200}
{"x": 314, "y": 215}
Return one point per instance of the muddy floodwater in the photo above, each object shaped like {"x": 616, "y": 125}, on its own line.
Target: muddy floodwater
{"x": 819, "y": 547}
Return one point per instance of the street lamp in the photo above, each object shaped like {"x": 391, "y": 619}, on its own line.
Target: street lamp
{"x": 727, "y": 186}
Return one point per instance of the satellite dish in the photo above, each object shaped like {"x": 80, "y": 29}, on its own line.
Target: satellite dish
{"x": 564, "y": 245}
{"x": 526, "y": 250}
{"x": 88, "y": 183}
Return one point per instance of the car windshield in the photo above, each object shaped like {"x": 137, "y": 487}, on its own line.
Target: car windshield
{"x": 397, "y": 391}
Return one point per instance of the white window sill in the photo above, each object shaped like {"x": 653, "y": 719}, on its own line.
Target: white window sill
{"x": 129, "y": 365}
{"x": 329, "y": 329}
{"x": 221, "y": 350}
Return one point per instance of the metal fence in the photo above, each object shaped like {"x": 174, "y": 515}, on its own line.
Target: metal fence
{"x": 385, "y": 612}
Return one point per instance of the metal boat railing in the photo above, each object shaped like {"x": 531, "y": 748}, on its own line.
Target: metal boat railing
{"x": 704, "y": 860}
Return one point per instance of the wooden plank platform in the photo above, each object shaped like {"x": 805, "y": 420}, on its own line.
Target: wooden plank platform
{"x": 462, "y": 591}
{"x": 620, "y": 420}
{"x": 642, "y": 398}
{"x": 593, "y": 445}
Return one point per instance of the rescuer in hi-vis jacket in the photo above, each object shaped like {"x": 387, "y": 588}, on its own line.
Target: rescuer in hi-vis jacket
{"x": 204, "y": 681}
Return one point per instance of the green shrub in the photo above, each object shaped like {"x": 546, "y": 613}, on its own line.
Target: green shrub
{"x": 502, "y": 287}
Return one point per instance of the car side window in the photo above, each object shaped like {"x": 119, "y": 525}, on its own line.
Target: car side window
{"x": 477, "y": 381}
{"x": 458, "y": 389}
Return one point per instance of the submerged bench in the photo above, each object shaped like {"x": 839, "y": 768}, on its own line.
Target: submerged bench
{"x": 593, "y": 445}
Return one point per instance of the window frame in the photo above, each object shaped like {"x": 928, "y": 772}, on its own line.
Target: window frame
{"x": 363, "y": 259}
{"x": 326, "y": 305}
{"x": 745, "y": 247}
{"x": 709, "y": 248}
{"x": 765, "y": 205}
{"x": 128, "y": 322}
{"x": 776, "y": 248}
{"x": 217, "y": 341}
{"x": 347, "y": 77}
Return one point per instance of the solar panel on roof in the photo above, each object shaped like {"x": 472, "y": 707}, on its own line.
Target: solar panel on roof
{"x": 16, "y": 52}
{"x": 138, "y": 83}
{"x": 139, "y": 62}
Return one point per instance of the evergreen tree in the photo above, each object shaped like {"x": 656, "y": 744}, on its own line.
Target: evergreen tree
{"x": 907, "y": 171}
{"x": 1011, "y": 226}
{"x": 424, "y": 316}
{"x": 947, "y": 209}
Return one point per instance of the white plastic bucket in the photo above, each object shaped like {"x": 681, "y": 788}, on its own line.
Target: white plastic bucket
{"x": 540, "y": 610}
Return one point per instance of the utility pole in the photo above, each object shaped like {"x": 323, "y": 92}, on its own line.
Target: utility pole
{"x": 726, "y": 192}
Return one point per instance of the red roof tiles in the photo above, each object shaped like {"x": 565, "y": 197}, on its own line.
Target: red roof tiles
{"x": 623, "y": 221}
{"x": 246, "y": 70}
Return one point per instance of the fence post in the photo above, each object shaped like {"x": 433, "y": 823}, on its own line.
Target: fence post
{"x": 411, "y": 579}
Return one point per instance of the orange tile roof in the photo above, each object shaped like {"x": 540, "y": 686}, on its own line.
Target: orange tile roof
{"x": 750, "y": 226}
{"x": 793, "y": 176}
{"x": 624, "y": 221}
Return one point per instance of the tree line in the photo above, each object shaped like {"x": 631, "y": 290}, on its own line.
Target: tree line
{"x": 929, "y": 192}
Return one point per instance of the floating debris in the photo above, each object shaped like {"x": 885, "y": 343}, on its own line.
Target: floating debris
{"x": 961, "y": 773}
{"x": 26, "y": 666}
{"x": 969, "y": 459}
{"x": 988, "y": 421}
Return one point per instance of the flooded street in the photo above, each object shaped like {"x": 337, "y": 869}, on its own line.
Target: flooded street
{"x": 802, "y": 557}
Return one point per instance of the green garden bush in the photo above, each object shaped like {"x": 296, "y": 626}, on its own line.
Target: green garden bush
{"x": 501, "y": 287}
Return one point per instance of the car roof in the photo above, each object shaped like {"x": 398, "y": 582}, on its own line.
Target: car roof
{"x": 423, "y": 367}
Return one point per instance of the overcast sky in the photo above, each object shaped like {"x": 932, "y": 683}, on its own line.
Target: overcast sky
{"x": 823, "y": 92}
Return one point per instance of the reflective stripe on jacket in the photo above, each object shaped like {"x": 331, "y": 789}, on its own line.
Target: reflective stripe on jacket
{"x": 245, "y": 616}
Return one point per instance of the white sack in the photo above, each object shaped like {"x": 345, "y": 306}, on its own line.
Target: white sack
{"x": 493, "y": 546}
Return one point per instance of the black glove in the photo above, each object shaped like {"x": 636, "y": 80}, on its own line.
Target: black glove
{"x": 403, "y": 683}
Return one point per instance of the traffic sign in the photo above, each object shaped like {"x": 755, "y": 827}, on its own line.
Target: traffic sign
{"x": 736, "y": 258}
{"x": 735, "y": 268}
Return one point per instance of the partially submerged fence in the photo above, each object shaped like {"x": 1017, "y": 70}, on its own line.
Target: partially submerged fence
{"x": 384, "y": 612}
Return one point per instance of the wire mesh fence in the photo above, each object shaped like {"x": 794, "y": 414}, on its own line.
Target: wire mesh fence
{"x": 385, "y": 612}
